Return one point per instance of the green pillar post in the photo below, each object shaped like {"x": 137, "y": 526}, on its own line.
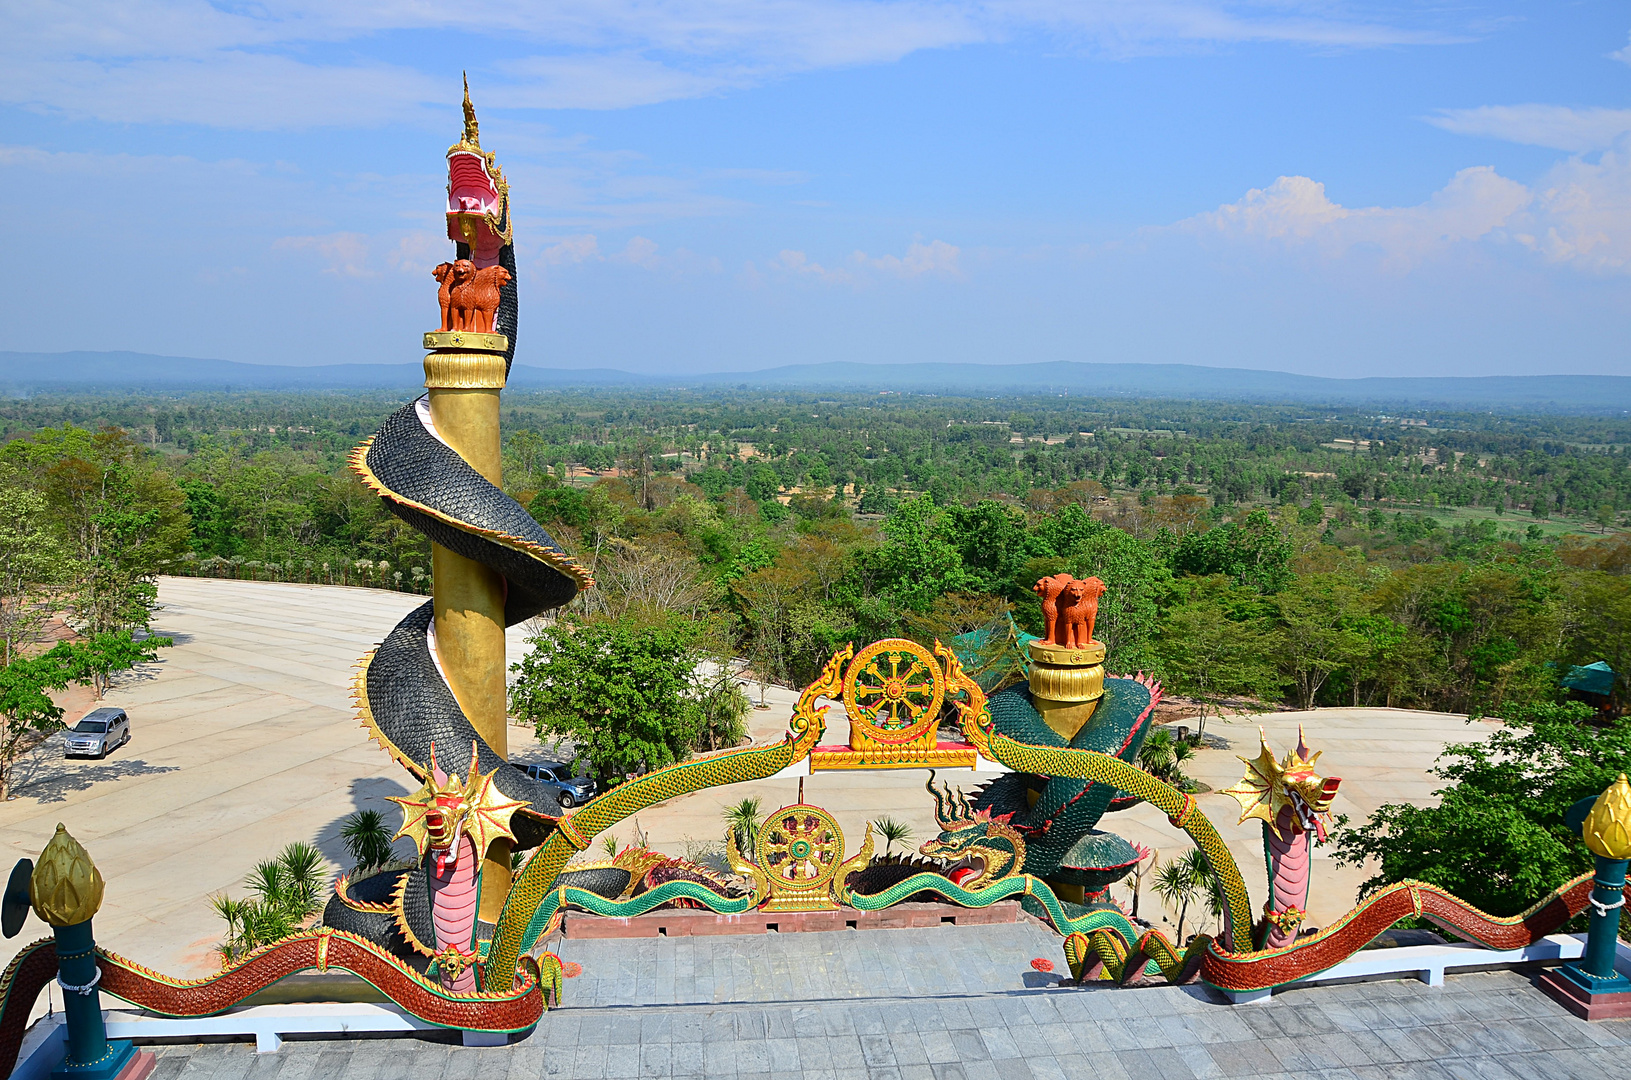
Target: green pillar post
{"x": 90, "y": 1054}
{"x": 66, "y": 891}
{"x": 1591, "y": 988}
{"x": 1603, "y": 930}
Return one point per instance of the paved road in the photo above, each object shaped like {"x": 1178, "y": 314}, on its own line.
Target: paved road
{"x": 245, "y": 739}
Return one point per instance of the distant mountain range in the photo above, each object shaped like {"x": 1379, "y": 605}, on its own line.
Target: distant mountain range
{"x": 90, "y": 372}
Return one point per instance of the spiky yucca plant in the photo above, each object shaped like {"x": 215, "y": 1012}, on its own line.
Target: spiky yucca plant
{"x": 894, "y": 831}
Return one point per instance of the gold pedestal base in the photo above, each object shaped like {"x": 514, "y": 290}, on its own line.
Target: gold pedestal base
{"x": 1066, "y": 684}
{"x": 461, "y": 369}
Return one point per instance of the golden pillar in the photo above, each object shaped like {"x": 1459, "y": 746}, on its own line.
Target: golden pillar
{"x": 464, "y": 374}
{"x": 468, "y": 596}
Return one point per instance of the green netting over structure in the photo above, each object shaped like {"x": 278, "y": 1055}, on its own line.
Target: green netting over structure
{"x": 994, "y": 653}
{"x": 1595, "y": 678}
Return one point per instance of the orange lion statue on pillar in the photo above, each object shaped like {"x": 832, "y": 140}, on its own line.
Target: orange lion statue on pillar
{"x": 469, "y": 297}
{"x": 1070, "y": 606}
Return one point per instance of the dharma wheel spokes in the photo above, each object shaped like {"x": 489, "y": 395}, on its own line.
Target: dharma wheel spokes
{"x": 894, "y": 686}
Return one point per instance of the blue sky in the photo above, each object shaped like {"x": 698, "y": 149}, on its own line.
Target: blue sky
{"x": 1330, "y": 188}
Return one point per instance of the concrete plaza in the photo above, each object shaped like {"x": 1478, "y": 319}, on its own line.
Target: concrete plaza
{"x": 959, "y": 1003}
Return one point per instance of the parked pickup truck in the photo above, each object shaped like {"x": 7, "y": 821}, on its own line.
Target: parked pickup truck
{"x": 569, "y": 790}
{"x": 97, "y": 733}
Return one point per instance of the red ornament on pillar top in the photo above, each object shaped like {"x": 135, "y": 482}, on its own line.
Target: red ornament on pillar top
{"x": 478, "y": 196}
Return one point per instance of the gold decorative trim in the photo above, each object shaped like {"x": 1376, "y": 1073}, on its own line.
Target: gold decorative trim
{"x": 861, "y": 860}
{"x": 800, "y": 849}
{"x": 470, "y": 143}
{"x": 573, "y": 835}
{"x": 826, "y": 760}
{"x": 465, "y": 370}
{"x": 400, "y": 915}
{"x": 893, "y": 691}
{"x": 465, "y": 339}
{"x": 744, "y": 868}
{"x": 342, "y": 887}
{"x": 1046, "y": 652}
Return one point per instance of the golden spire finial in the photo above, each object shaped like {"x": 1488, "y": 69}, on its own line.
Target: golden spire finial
{"x": 1607, "y": 828}
{"x": 472, "y": 132}
{"x": 66, "y": 888}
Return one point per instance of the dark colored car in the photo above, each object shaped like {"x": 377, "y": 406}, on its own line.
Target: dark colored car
{"x": 569, "y": 790}
{"x": 97, "y": 733}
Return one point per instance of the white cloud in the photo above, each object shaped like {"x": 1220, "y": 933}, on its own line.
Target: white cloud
{"x": 1295, "y": 210}
{"x": 343, "y": 253}
{"x": 935, "y": 257}
{"x": 798, "y": 263}
{"x": 1579, "y": 214}
{"x": 639, "y": 251}
{"x": 644, "y": 253}
{"x": 1555, "y": 126}
{"x": 255, "y": 66}
{"x": 417, "y": 252}
{"x": 573, "y": 249}
{"x": 1622, "y": 55}
{"x": 1582, "y": 214}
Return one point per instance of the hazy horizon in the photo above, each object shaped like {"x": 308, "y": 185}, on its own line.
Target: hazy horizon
{"x": 415, "y": 361}
{"x": 1344, "y": 190}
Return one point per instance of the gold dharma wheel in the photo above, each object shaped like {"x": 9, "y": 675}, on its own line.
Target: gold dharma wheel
{"x": 800, "y": 847}
{"x": 894, "y": 689}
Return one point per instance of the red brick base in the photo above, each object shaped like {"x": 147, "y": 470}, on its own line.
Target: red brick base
{"x": 139, "y": 1067}
{"x": 1574, "y": 997}
{"x": 691, "y": 922}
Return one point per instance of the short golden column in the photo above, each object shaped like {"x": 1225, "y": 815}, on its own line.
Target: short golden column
{"x": 1066, "y": 684}
{"x": 464, "y": 375}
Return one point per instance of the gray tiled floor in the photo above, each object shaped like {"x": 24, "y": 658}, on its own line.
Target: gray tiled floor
{"x": 853, "y": 1007}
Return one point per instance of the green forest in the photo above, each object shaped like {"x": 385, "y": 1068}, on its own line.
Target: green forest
{"x": 1265, "y": 553}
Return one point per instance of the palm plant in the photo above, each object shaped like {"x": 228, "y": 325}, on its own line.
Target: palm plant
{"x": 894, "y": 831}
{"x": 1162, "y": 756}
{"x": 367, "y": 839}
{"x": 304, "y": 876}
{"x": 743, "y": 821}
{"x": 1185, "y": 880}
{"x": 1211, "y": 886}
{"x": 1177, "y": 888}
{"x": 286, "y": 891}
{"x": 724, "y": 708}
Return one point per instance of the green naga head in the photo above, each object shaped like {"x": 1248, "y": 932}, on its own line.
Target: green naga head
{"x": 978, "y": 848}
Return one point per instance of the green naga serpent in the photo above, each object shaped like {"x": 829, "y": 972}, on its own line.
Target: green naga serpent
{"x": 1033, "y": 829}
{"x": 537, "y": 900}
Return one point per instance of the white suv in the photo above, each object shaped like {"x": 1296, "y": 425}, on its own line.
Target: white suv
{"x": 97, "y": 733}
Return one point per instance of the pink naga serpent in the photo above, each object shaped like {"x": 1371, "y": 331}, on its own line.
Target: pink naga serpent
{"x": 451, "y": 820}
{"x": 1294, "y": 804}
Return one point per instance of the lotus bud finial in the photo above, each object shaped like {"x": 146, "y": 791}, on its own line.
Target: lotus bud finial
{"x": 1607, "y": 829}
{"x": 66, "y": 887}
